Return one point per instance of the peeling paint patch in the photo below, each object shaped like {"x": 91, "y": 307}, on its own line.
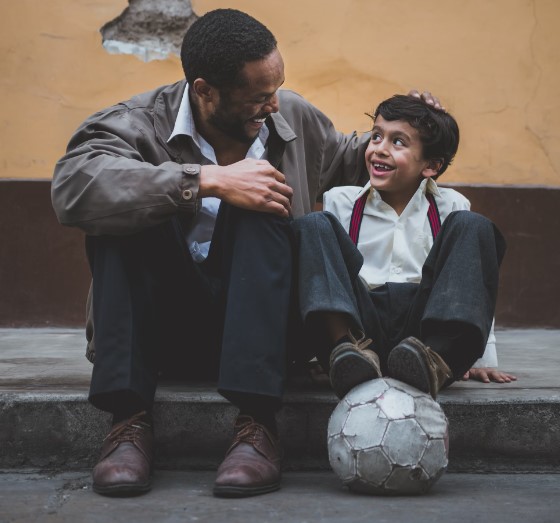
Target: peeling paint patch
{"x": 149, "y": 29}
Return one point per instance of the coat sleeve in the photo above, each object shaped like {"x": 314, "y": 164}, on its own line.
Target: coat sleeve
{"x": 342, "y": 158}
{"x": 347, "y": 166}
{"x": 104, "y": 184}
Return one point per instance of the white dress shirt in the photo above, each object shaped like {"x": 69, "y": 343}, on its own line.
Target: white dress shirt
{"x": 395, "y": 247}
{"x": 200, "y": 235}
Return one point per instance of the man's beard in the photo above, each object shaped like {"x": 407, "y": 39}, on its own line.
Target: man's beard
{"x": 230, "y": 125}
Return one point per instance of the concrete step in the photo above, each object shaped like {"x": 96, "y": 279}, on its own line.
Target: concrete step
{"x": 47, "y": 423}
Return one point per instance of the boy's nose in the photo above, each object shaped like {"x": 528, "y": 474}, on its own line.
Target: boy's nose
{"x": 381, "y": 148}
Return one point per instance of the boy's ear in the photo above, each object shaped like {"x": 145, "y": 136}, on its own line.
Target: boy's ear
{"x": 433, "y": 168}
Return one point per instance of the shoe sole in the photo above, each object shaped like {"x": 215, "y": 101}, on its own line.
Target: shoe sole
{"x": 230, "y": 491}
{"x": 348, "y": 370}
{"x": 407, "y": 363}
{"x": 123, "y": 489}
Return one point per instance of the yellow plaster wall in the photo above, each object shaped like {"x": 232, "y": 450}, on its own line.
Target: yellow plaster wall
{"x": 495, "y": 64}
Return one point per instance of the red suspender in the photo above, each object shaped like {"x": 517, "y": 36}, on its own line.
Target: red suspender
{"x": 433, "y": 215}
{"x": 358, "y": 215}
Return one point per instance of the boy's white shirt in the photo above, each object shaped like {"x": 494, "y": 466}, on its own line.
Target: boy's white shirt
{"x": 395, "y": 247}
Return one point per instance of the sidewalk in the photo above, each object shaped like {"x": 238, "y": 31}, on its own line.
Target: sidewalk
{"x": 305, "y": 497}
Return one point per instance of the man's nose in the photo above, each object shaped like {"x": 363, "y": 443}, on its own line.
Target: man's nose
{"x": 273, "y": 105}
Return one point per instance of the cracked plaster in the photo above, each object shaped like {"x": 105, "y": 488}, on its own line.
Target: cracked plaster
{"x": 149, "y": 29}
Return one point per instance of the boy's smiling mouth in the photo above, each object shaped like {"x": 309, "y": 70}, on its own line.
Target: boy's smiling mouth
{"x": 381, "y": 168}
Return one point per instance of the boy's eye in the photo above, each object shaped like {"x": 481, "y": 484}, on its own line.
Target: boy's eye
{"x": 398, "y": 141}
{"x": 375, "y": 137}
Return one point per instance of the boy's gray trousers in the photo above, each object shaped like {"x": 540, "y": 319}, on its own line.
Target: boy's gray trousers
{"x": 451, "y": 309}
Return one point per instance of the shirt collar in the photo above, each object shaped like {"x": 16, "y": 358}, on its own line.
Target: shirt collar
{"x": 427, "y": 185}
{"x": 365, "y": 189}
{"x": 184, "y": 124}
{"x": 430, "y": 185}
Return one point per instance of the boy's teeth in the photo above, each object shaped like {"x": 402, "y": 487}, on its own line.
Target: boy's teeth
{"x": 382, "y": 167}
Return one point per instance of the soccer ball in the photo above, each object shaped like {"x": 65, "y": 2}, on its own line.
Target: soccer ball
{"x": 386, "y": 437}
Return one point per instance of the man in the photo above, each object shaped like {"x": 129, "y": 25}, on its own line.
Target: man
{"x": 174, "y": 285}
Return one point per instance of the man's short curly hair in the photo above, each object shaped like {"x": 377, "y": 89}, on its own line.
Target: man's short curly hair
{"x": 438, "y": 130}
{"x": 220, "y": 43}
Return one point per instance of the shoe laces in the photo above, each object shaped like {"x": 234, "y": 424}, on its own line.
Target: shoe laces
{"x": 360, "y": 341}
{"x": 248, "y": 429}
{"x": 128, "y": 430}
{"x": 438, "y": 363}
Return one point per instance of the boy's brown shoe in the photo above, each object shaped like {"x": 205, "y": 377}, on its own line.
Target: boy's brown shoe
{"x": 415, "y": 364}
{"x": 352, "y": 362}
{"x": 125, "y": 465}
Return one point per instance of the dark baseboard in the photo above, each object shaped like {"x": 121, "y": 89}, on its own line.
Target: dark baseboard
{"x": 529, "y": 219}
{"x": 44, "y": 275}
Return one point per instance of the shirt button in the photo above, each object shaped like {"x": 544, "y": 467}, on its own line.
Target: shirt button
{"x": 187, "y": 194}
{"x": 398, "y": 270}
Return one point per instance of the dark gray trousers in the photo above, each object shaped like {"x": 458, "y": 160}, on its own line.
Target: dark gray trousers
{"x": 156, "y": 310}
{"x": 451, "y": 308}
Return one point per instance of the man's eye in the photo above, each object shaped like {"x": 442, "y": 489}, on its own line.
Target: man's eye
{"x": 261, "y": 100}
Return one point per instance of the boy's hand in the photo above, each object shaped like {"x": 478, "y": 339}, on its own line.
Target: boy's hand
{"x": 488, "y": 374}
{"x": 428, "y": 98}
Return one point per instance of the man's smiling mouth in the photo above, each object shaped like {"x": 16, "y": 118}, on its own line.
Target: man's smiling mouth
{"x": 258, "y": 120}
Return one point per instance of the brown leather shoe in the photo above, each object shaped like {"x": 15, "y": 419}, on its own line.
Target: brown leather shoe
{"x": 352, "y": 362}
{"x": 125, "y": 464}
{"x": 252, "y": 463}
{"x": 415, "y": 364}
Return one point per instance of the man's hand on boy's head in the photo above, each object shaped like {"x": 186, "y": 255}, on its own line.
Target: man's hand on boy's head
{"x": 488, "y": 374}
{"x": 428, "y": 98}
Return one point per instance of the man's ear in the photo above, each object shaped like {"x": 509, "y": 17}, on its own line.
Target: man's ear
{"x": 203, "y": 90}
{"x": 432, "y": 168}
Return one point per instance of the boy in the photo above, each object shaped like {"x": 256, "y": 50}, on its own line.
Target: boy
{"x": 425, "y": 296}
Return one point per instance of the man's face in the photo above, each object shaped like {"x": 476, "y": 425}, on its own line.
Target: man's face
{"x": 395, "y": 160}
{"x": 241, "y": 113}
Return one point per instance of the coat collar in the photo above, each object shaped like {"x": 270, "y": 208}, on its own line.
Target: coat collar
{"x": 166, "y": 108}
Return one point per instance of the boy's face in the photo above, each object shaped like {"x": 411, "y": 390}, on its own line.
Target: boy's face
{"x": 395, "y": 161}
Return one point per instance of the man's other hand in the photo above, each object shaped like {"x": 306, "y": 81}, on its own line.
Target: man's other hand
{"x": 428, "y": 98}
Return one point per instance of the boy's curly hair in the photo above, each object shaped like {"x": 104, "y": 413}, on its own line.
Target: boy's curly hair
{"x": 438, "y": 130}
